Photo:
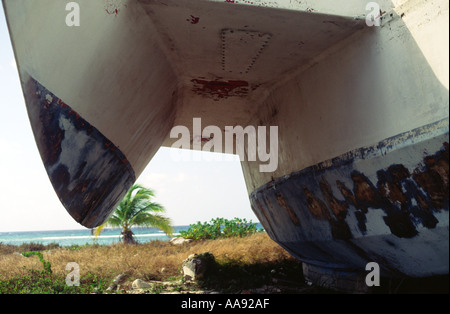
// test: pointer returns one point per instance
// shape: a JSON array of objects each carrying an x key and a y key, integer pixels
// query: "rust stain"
[
  {"x": 408, "y": 198},
  {"x": 315, "y": 205},
  {"x": 434, "y": 178},
  {"x": 112, "y": 12},
  {"x": 338, "y": 208},
  {"x": 397, "y": 219},
  {"x": 394, "y": 193},
  {"x": 397, "y": 191},
  {"x": 346, "y": 193},
  {"x": 220, "y": 89},
  {"x": 351, "y": 200},
  {"x": 391, "y": 188},
  {"x": 365, "y": 193},
  {"x": 338, "y": 226},
  {"x": 113, "y": 7},
  {"x": 193, "y": 19},
  {"x": 282, "y": 202}
]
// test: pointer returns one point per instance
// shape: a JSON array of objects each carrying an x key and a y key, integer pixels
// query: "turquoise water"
[{"x": 81, "y": 237}]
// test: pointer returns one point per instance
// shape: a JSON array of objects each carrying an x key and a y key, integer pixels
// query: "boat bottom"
[
  {"x": 343, "y": 281},
  {"x": 88, "y": 171},
  {"x": 355, "y": 282},
  {"x": 387, "y": 204}
]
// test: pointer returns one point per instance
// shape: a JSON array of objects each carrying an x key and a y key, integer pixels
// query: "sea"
[{"x": 84, "y": 236}]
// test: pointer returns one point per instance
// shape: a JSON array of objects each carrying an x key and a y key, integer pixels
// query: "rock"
[
  {"x": 117, "y": 282},
  {"x": 197, "y": 265},
  {"x": 179, "y": 241},
  {"x": 167, "y": 287},
  {"x": 140, "y": 284}
]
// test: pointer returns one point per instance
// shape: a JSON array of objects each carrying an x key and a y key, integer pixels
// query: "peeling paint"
[
  {"x": 260, "y": 3},
  {"x": 193, "y": 19},
  {"x": 434, "y": 176},
  {"x": 315, "y": 205},
  {"x": 113, "y": 7},
  {"x": 88, "y": 172},
  {"x": 112, "y": 12},
  {"x": 334, "y": 200},
  {"x": 405, "y": 201},
  {"x": 282, "y": 202},
  {"x": 220, "y": 89},
  {"x": 338, "y": 208}
]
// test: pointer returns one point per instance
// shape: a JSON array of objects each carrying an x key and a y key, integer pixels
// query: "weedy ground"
[{"x": 243, "y": 265}]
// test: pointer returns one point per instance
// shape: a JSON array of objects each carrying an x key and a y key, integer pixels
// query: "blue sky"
[{"x": 191, "y": 191}]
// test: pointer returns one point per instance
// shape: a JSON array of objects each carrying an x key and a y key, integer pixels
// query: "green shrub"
[
  {"x": 47, "y": 266},
  {"x": 220, "y": 228},
  {"x": 41, "y": 282}
]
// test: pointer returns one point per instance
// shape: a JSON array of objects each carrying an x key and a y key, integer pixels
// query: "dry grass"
[
  {"x": 155, "y": 260},
  {"x": 243, "y": 263}
]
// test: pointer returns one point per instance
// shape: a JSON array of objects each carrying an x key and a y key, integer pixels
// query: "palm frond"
[
  {"x": 115, "y": 221},
  {"x": 98, "y": 230},
  {"x": 137, "y": 209},
  {"x": 155, "y": 221}
]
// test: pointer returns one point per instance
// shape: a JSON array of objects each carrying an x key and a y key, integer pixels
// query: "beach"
[{"x": 83, "y": 236}]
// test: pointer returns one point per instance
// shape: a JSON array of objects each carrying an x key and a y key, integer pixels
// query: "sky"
[{"x": 190, "y": 191}]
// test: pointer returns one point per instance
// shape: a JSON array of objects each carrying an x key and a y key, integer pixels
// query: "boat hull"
[
  {"x": 361, "y": 112},
  {"x": 387, "y": 203}
]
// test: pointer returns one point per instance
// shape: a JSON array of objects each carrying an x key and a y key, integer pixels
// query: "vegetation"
[
  {"x": 26, "y": 247},
  {"x": 220, "y": 228},
  {"x": 136, "y": 209},
  {"x": 243, "y": 262},
  {"x": 46, "y": 264},
  {"x": 41, "y": 282}
]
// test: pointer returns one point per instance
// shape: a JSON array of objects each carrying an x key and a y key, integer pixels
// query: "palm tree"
[{"x": 136, "y": 209}]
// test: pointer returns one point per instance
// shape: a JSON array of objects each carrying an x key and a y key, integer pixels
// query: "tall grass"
[{"x": 156, "y": 260}]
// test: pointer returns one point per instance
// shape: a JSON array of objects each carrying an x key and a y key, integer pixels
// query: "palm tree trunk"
[{"x": 127, "y": 237}]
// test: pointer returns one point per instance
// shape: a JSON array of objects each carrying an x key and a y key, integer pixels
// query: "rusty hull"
[
  {"x": 88, "y": 172},
  {"x": 387, "y": 203}
]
